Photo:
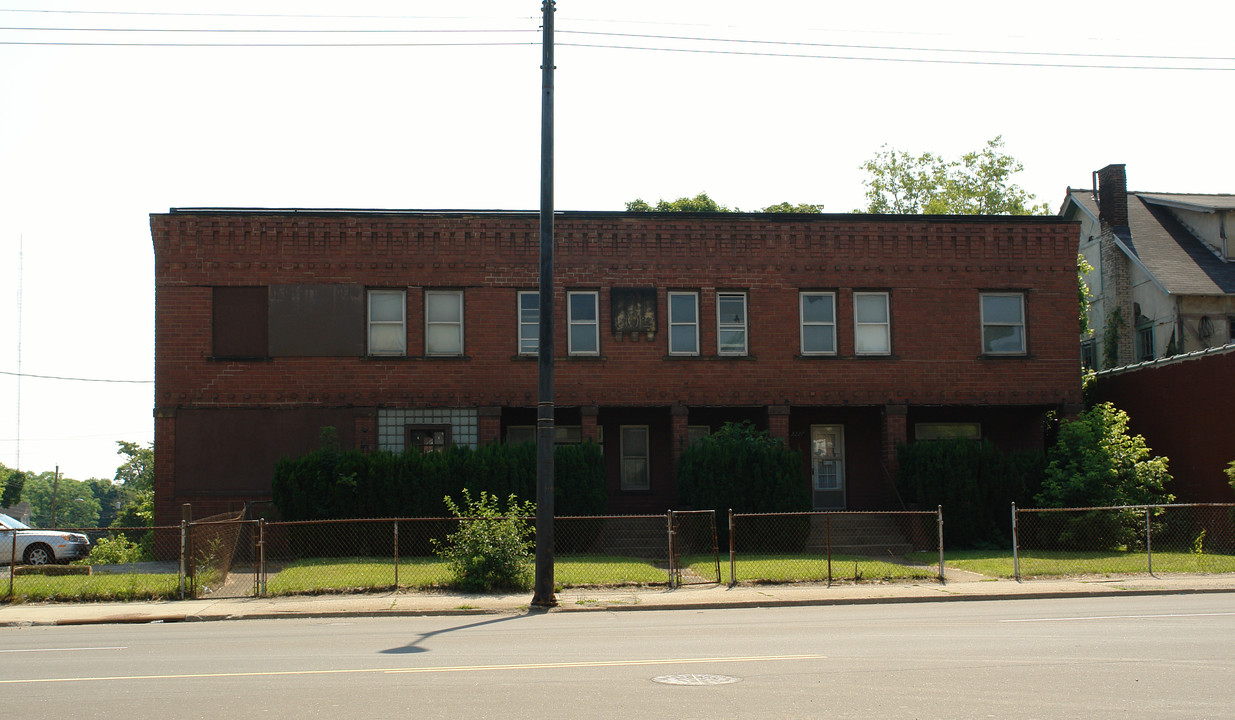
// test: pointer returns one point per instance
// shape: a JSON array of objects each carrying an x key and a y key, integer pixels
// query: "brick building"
[{"x": 844, "y": 334}]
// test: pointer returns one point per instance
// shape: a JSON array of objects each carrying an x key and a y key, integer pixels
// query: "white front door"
[{"x": 827, "y": 464}]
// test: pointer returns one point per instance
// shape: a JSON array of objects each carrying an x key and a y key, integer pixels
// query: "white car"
[{"x": 39, "y": 547}]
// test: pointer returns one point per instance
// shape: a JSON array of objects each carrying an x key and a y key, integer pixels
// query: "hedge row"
[{"x": 330, "y": 483}]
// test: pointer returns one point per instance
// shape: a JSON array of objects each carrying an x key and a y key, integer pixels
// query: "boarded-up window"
[
  {"x": 633, "y": 310},
  {"x": 232, "y": 451},
  {"x": 238, "y": 322},
  {"x": 318, "y": 321}
]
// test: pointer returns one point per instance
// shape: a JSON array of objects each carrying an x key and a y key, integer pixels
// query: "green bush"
[
  {"x": 1095, "y": 462},
  {"x": 492, "y": 548},
  {"x": 975, "y": 482},
  {"x": 746, "y": 470},
  {"x": 117, "y": 550},
  {"x": 330, "y": 483}
]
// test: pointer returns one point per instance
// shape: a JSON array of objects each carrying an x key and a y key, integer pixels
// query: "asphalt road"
[{"x": 1159, "y": 657}]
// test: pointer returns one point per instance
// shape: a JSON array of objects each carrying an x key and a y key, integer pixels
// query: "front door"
[{"x": 827, "y": 464}]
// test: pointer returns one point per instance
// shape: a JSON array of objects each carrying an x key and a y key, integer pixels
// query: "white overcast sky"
[{"x": 94, "y": 138}]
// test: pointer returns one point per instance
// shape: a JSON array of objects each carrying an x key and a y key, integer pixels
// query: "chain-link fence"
[
  {"x": 219, "y": 559},
  {"x": 122, "y": 565},
  {"x": 835, "y": 546},
  {"x": 1183, "y": 538}
]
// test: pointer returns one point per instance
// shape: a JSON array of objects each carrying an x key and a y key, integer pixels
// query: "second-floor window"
[
  {"x": 1003, "y": 323},
  {"x": 872, "y": 328},
  {"x": 529, "y": 323},
  {"x": 387, "y": 326},
  {"x": 683, "y": 323},
  {"x": 583, "y": 322},
  {"x": 444, "y": 322},
  {"x": 818, "y": 314},
  {"x": 731, "y": 324}
]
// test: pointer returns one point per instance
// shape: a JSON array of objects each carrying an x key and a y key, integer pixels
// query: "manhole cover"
[{"x": 694, "y": 679}]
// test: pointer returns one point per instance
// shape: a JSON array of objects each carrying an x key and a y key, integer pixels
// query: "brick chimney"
[{"x": 1113, "y": 196}]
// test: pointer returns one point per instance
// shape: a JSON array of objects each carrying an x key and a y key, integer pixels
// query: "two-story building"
[{"x": 846, "y": 335}]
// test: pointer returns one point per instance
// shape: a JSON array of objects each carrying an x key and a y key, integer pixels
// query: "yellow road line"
[{"x": 437, "y": 669}]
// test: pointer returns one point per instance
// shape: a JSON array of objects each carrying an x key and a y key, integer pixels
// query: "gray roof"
[
  {"x": 1199, "y": 203},
  {"x": 1176, "y": 258}
]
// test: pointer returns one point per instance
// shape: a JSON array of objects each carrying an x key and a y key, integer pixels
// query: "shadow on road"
[{"x": 414, "y": 646}]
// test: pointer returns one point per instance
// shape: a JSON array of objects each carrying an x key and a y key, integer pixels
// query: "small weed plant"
[{"x": 492, "y": 548}]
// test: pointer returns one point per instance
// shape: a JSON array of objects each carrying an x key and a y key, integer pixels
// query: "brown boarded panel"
[
  {"x": 232, "y": 451},
  {"x": 238, "y": 322},
  {"x": 317, "y": 320}
]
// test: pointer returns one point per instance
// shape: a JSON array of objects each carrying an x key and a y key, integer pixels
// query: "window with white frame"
[
  {"x": 387, "y": 322},
  {"x": 818, "y": 314},
  {"x": 872, "y": 328},
  {"x": 683, "y": 323},
  {"x": 443, "y": 322},
  {"x": 529, "y": 323},
  {"x": 635, "y": 457},
  {"x": 696, "y": 433},
  {"x": 1003, "y": 323},
  {"x": 731, "y": 323},
  {"x": 583, "y": 322}
]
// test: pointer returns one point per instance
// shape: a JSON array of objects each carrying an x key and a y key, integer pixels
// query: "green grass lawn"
[
  {"x": 93, "y": 588},
  {"x": 1038, "y": 563},
  {"x": 794, "y": 567},
  {"x": 372, "y": 574},
  {"x": 359, "y": 574}
]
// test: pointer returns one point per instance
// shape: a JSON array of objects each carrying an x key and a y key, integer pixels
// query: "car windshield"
[{"x": 11, "y": 524}]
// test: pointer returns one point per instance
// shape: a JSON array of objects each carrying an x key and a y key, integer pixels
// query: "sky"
[{"x": 437, "y": 106}]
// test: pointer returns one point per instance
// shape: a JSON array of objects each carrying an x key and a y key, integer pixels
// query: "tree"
[
  {"x": 1095, "y": 462},
  {"x": 111, "y": 498},
  {"x": 12, "y": 481},
  {"x": 60, "y": 503},
  {"x": 703, "y": 203},
  {"x": 137, "y": 472},
  {"x": 976, "y": 184}
]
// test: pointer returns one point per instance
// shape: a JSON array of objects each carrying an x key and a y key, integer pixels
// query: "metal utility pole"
[{"x": 543, "y": 590}]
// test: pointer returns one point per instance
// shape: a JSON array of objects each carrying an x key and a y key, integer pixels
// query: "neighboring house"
[
  {"x": 1163, "y": 279},
  {"x": 845, "y": 335}
]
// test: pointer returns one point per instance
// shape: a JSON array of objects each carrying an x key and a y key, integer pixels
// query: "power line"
[
  {"x": 934, "y": 61},
  {"x": 267, "y": 30},
  {"x": 75, "y": 379},
  {"x": 263, "y": 45},
  {"x": 264, "y": 15},
  {"x": 893, "y": 47}
]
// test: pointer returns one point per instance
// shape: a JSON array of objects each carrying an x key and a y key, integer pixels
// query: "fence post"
[
  {"x": 1149, "y": 551},
  {"x": 827, "y": 542},
  {"x": 939, "y": 519},
  {"x": 1016, "y": 558},
  {"x": 396, "y": 554},
  {"x": 186, "y": 516},
  {"x": 672, "y": 575},
  {"x": 261, "y": 555},
  {"x": 13, "y": 565},
  {"x": 733, "y": 565}
]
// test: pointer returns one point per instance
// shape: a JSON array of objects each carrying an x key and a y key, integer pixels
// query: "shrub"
[
  {"x": 976, "y": 483},
  {"x": 1095, "y": 462},
  {"x": 746, "y": 470},
  {"x": 330, "y": 483},
  {"x": 492, "y": 548},
  {"x": 116, "y": 550}
]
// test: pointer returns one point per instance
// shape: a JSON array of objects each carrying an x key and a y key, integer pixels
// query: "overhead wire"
[
  {"x": 76, "y": 379},
  {"x": 863, "y": 48}
]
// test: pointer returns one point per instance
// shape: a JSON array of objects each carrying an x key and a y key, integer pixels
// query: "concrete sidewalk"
[{"x": 960, "y": 586}]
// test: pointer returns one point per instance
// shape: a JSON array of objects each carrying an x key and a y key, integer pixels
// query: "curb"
[{"x": 136, "y": 618}]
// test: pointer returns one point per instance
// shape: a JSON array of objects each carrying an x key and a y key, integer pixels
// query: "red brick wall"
[
  {"x": 1183, "y": 409},
  {"x": 933, "y": 268}
]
